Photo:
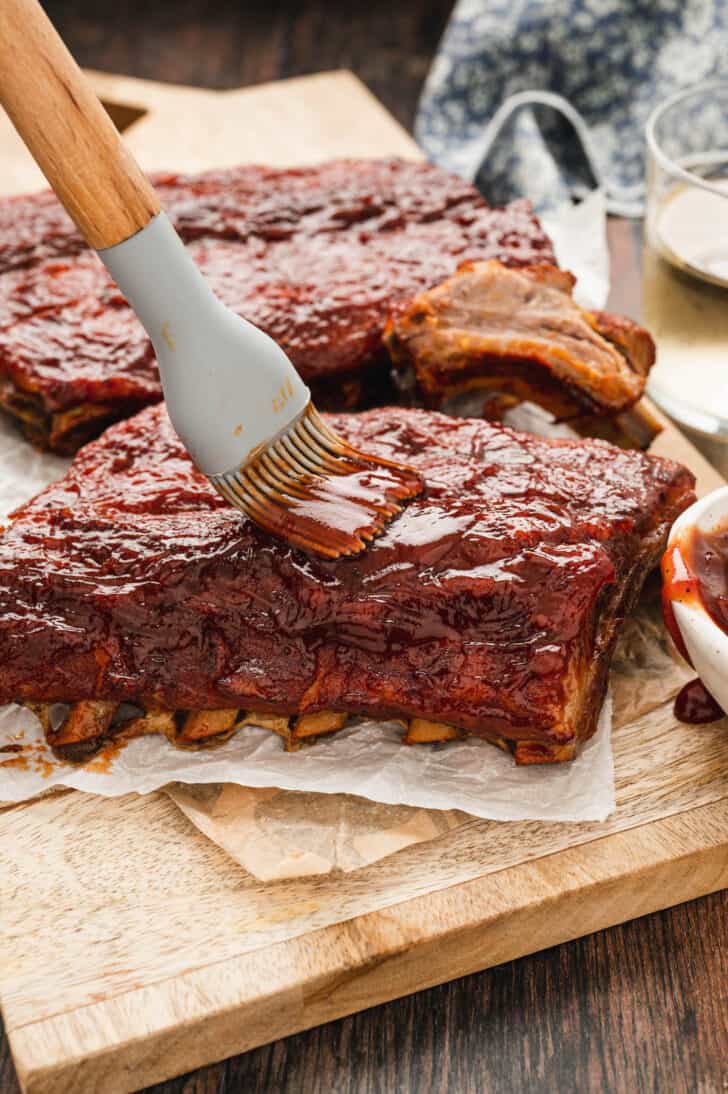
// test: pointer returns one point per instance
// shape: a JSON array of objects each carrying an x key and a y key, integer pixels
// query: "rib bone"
[
  {"x": 87, "y": 723},
  {"x": 201, "y": 724},
  {"x": 422, "y": 731},
  {"x": 315, "y": 725}
]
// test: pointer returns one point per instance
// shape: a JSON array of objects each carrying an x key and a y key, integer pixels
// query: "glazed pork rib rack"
[
  {"x": 491, "y": 606},
  {"x": 317, "y": 257}
]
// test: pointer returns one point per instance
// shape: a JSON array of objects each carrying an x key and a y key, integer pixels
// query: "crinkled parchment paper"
[
  {"x": 277, "y": 834},
  {"x": 365, "y": 758},
  {"x": 359, "y": 795}
]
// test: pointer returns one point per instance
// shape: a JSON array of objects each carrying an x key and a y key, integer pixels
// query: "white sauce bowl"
[{"x": 706, "y": 642}]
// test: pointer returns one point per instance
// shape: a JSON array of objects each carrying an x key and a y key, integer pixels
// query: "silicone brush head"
[
  {"x": 314, "y": 490},
  {"x": 243, "y": 412}
]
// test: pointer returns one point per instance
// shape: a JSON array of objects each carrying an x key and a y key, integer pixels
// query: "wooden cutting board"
[{"x": 134, "y": 949}]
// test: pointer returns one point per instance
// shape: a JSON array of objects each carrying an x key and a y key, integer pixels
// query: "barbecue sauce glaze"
[
  {"x": 131, "y": 580},
  {"x": 317, "y": 257},
  {"x": 695, "y": 571}
]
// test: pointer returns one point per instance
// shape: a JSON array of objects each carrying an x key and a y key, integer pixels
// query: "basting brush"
[{"x": 233, "y": 395}]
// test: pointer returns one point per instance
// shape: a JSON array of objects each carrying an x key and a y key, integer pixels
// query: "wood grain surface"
[
  {"x": 226, "y": 44},
  {"x": 640, "y": 1007},
  {"x": 64, "y": 125}
]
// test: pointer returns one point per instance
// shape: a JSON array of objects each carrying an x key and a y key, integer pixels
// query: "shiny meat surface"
[
  {"x": 491, "y": 604},
  {"x": 317, "y": 257},
  {"x": 519, "y": 331}
]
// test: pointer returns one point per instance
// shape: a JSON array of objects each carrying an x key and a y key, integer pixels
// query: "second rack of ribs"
[{"x": 315, "y": 256}]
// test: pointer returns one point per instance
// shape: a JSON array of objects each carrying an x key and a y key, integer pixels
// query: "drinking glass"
[{"x": 685, "y": 271}]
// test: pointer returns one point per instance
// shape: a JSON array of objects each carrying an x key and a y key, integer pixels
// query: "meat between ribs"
[
  {"x": 519, "y": 332},
  {"x": 492, "y": 604}
]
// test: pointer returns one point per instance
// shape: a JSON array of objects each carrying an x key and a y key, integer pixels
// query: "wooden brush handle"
[{"x": 72, "y": 138}]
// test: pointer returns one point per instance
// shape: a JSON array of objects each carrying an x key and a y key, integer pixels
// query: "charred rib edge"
[{"x": 90, "y": 724}]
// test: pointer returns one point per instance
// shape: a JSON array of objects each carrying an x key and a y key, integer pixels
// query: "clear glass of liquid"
[{"x": 685, "y": 272}]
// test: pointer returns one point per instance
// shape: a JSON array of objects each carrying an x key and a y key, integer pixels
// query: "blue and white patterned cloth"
[{"x": 603, "y": 66}]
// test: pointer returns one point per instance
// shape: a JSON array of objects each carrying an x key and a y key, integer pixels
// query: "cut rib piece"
[
  {"x": 491, "y": 605},
  {"x": 317, "y": 257},
  {"x": 519, "y": 332}
]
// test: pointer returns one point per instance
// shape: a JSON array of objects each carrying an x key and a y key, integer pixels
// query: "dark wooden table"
[{"x": 641, "y": 1007}]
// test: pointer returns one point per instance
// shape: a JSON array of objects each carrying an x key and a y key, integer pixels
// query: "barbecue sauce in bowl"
[{"x": 695, "y": 572}]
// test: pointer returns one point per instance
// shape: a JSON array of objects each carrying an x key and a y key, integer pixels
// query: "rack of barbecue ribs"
[
  {"x": 317, "y": 257},
  {"x": 518, "y": 332},
  {"x": 130, "y": 591}
]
